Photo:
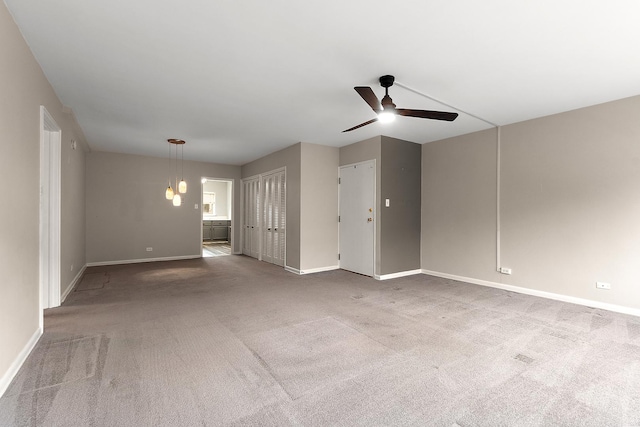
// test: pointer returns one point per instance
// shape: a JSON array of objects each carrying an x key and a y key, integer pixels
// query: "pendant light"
[{"x": 181, "y": 187}]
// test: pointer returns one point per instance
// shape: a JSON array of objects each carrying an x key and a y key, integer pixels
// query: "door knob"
[{"x": 369, "y": 219}]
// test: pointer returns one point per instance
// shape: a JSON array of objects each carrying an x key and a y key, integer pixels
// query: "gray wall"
[
  {"x": 24, "y": 89},
  {"x": 318, "y": 207},
  {"x": 400, "y": 222},
  {"x": 569, "y": 204},
  {"x": 289, "y": 158},
  {"x": 127, "y": 210}
]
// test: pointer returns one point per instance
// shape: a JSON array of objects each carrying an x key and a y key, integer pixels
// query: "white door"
[
  {"x": 251, "y": 217},
  {"x": 273, "y": 218},
  {"x": 357, "y": 217}
]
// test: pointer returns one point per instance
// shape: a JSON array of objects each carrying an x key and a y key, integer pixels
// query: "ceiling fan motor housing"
[{"x": 387, "y": 81}]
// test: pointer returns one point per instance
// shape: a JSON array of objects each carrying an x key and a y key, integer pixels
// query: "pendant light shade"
[{"x": 181, "y": 187}]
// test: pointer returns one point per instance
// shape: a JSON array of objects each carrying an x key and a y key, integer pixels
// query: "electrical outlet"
[
  {"x": 149, "y": 249},
  {"x": 505, "y": 270},
  {"x": 603, "y": 285}
]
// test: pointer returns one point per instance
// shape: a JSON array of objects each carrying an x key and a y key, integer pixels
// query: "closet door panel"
[{"x": 273, "y": 218}]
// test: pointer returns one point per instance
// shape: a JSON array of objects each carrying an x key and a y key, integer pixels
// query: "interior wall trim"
[
  {"x": 292, "y": 270},
  {"x": 536, "y": 293},
  {"x": 73, "y": 284},
  {"x": 319, "y": 269},
  {"x": 397, "y": 275},
  {"x": 137, "y": 261},
  {"x": 311, "y": 270},
  {"x": 8, "y": 376}
]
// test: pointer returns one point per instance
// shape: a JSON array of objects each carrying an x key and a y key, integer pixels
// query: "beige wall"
[
  {"x": 400, "y": 222},
  {"x": 569, "y": 204},
  {"x": 24, "y": 89},
  {"x": 459, "y": 206},
  {"x": 73, "y": 214},
  {"x": 289, "y": 158},
  {"x": 318, "y": 207},
  {"x": 570, "y": 208},
  {"x": 127, "y": 210}
]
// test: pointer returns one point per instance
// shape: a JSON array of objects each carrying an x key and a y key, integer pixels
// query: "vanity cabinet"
[{"x": 215, "y": 230}]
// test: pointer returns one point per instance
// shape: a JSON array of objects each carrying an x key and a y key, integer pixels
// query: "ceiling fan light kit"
[
  {"x": 386, "y": 110},
  {"x": 386, "y": 116}
]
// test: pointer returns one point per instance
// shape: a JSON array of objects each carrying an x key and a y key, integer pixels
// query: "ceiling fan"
[{"x": 387, "y": 110}]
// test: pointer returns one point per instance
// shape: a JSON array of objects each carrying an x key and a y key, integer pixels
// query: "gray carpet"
[{"x": 234, "y": 341}]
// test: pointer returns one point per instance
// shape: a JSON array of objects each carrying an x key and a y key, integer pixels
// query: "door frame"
[
  {"x": 49, "y": 212},
  {"x": 232, "y": 239},
  {"x": 375, "y": 209}
]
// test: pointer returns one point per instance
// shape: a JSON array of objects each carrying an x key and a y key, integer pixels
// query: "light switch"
[
  {"x": 386, "y": 202},
  {"x": 195, "y": 206}
]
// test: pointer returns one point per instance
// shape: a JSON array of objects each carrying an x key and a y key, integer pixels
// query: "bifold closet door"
[
  {"x": 273, "y": 218},
  {"x": 251, "y": 217}
]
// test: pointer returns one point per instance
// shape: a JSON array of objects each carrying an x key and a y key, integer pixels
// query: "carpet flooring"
[{"x": 234, "y": 341}]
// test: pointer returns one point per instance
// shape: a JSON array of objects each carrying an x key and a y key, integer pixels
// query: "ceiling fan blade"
[
  {"x": 369, "y": 97},
  {"x": 426, "y": 114},
  {"x": 360, "y": 125}
]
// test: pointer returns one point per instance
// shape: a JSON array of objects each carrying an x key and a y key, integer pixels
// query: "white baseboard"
[
  {"x": 397, "y": 275},
  {"x": 292, "y": 270},
  {"x": 536, "y": 293},
  {"x": 310, "y": 270},
  {"x": 8, "y": 376},
  {"x": 319, "y": 269},
  {"x": 73, "y": 284},
  {"x": 137, "y": 261}
]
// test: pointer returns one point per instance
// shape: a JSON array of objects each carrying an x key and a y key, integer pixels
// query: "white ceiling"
[{"x": 240, "y": 79}]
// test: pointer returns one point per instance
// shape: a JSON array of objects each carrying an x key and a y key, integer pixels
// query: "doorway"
[
  {"x": 357, "y": 217},
  {"x": 217, "y": 214},
  {"x": 49, "y": 215}
]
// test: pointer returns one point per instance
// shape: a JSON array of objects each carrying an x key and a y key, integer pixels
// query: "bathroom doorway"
[{"x": 217, "y": 214}]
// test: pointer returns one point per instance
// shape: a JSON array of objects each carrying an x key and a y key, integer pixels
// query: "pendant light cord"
[
  {"x": 177, "y": 169},
  {"x": 170, "y": 157}
]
